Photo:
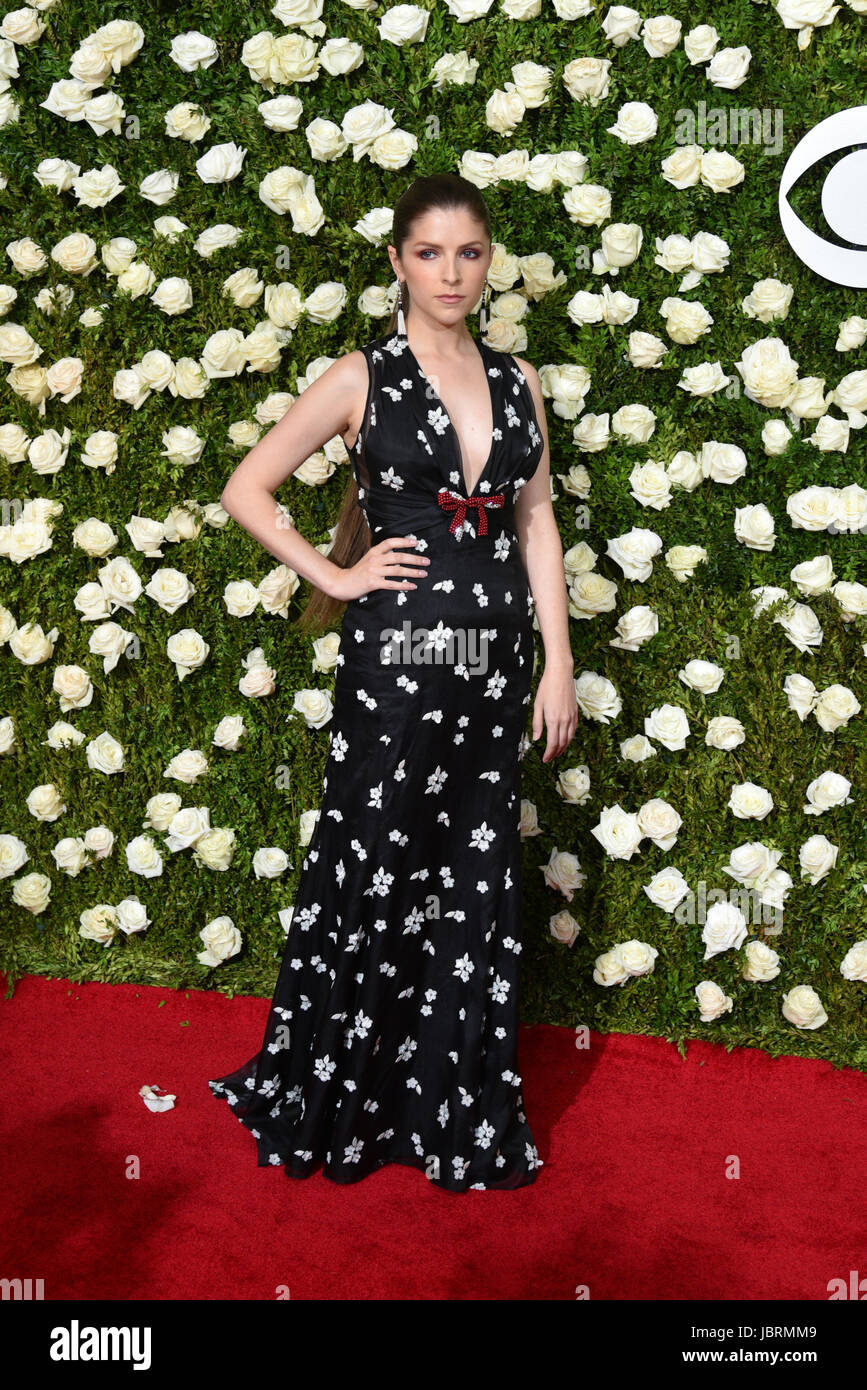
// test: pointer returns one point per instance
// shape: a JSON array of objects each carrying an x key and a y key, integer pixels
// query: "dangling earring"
[
  {"x": 401, "y": 321},
  {"x": 483, "y": 317}
]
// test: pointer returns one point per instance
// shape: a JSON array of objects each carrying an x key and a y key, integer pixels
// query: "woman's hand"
[
  {"x": 384, "y": 566},
  {"x": 555, "y": 703}
]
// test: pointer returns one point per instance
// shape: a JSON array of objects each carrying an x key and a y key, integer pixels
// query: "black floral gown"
[{"x": 392, "y": 1036}]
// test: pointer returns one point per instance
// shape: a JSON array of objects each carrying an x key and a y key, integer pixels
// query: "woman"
[{"x": 392, "y": 1036}]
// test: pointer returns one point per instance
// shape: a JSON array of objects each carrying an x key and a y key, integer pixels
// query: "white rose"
[
  {"x": 105, "y": 754},
  {"x": 685, "y": 320},
  {"x": 73, "y": 685},
  {"x": 45, "y": 802},
  {"x": 636, "y": 626},
  {"x": 13, "y": 853},
  {"x": 132, "y": 916},
  {"x": 404, "y": 24},
  {"x": 830, "y": 435},
  {"x": 187, "y": 827},
  {"x": 768, "y": 299},
  {"x": 802, "y": 1005},
  {"x": 801, "y": 626},
  {"x": 573, "y": 785},
  {"x": 23, "y": 27},
  {"x": 188, "y": 650},
  {"x": 70, "y": 856},
  {"x": 222, "y": 940},
  {"x": 76, "y": 254},
  {"x": 621, "y": 243},
  {"x": 32, "y": 892},
  {"x": 644, "y": 350},
  {"x": 827, "y": 791},
  {"x": 597, "y": 697},
  {"x": 769, "y": 373},
  {"x": 704, "y": 676},
  {"x": 762, "y": 963},
  {"x": 776, "y": 436},
  {"x": 667, "y": 889},
  {"x": 661, "y": 35},
  {"x": 591, "y": 594},
  {"x": 635, "y": 123},
  {"x": 700, "y": 43},
  {"x": 173, "y": 295},
  {"x": 724, "y": 732},
  {"x": 325, "y": 652},
  {"x": 852, "y": 333},
  {"x": 724, "y": 463},
  {"x": 729, "y": 67},
  {"x": 621, "y": 23},
  {"x": 720, "y": 171},
  {"x": 99, "y": 841},
  {"x": 813, "y": 508},
  {"x": 814, "y": 576},
  {"x": 229, "y": 732},
  {"x": 618, "y": 832},
  {"x": 193, "y": 50},
  {"x": 852, "y": 599},
  {"x": 636, "y": 957},
  {"x": 259, "y": 681},
  {"x": 682, "y": 168},
  {"x": 170, "y": 589},
  {"x": 270, "y": 862},
  {"x": 314, "y": 706},
  {"x": 608, "y": 969},
  {"x": 817, "y": 857},
  {"x": 754, "y": 527},
  {"x": 637, "y": 749},
  {"x": 31, "y": 645},
  {"x": 307, "y": 822},
  {"x": 587, "y": 79},
  {"x": 563, "y": 927},
  {"x": 668, "y": 725},
  {"x": 591, "y": 433},
  {"x": 221, "y": 163},
  {"x": 634, "y": 551},
  {"x": 748, "y": 801},
  {"x": 684, "y": 471},
  {"x": 835, "y": 706},
  {"x": 712, "y": 1001},
  {"x": 659, "y": 822},
  {"x": 725, "y": 928},
  {"x": 801, "y": 694},
  {"x": 98, "y": 923},
  {"x": 215, "y": 849},
  {"x": 854, "y": 964},
  {"x": 751, "y": 862},
  {"x": 186, "y": 121},
  {"x": 589, "y": 205},
  {"x": 563, "y": 872},
  {"x": 110, "y": 641},
  {"x": 143, "y": 857},
  {"x": 161, "y": 809}
]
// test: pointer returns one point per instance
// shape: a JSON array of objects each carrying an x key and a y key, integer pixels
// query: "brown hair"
[{"x": 352, "y": 537}]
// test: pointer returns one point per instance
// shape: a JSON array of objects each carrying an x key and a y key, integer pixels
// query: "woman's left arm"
[{"x": 542, "y": 555}]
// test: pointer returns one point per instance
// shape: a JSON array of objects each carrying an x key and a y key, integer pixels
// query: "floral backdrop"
[{"x": 196, "y": 203}]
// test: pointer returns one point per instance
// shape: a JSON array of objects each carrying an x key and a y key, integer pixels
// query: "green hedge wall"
[{"x": 261, "y": 790}]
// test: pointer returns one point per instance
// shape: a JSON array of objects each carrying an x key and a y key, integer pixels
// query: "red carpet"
[{"x": 633, "y": 1199}]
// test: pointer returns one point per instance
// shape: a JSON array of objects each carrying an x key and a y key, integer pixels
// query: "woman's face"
[{"x": 446, "y": 253}]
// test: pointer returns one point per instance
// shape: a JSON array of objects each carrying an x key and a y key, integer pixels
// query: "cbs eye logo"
[{"x": 844, "y": 199}]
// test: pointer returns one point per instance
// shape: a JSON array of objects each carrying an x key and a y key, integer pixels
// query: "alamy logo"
[{"x": 76, "y": 1343}]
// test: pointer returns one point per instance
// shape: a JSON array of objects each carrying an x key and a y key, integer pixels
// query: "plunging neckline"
[{"x": 467, "y": 491}]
